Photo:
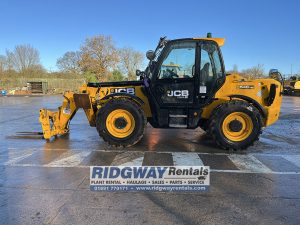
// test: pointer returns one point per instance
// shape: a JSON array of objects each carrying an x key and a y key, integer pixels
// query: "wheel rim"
[
  {"x": 120, "y": 123},
  {"x": 237, "y": 126}
]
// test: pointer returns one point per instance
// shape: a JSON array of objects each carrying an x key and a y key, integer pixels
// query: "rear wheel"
[
  {"x": 235, "y": 125},
  {"x": 121, "y": 122}
]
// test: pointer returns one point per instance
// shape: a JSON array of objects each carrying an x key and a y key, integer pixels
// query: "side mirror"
[
  {"x": 150, "y": 55},
  {"x": 273, "y": 71},
  {"x": 274, "y": 74},
  {"x": 138, "y": 73}
]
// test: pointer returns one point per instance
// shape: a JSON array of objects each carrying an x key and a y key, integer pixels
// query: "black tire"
[
  {"x": 216, "y": 124},
  {"x": 124, "y": 104}
]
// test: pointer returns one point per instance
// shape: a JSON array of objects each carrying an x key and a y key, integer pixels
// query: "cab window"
[
  {"x": 179, "y": 62},
  {"x": 210, "y": 65}
]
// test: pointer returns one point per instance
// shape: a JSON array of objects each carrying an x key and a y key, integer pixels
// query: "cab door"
[
  {"x": 212, "y": 72},
  {"x": 175, "y": 75}
]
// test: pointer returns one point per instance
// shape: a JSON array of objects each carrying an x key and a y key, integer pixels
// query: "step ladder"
[{"x": 177, "y": 121}]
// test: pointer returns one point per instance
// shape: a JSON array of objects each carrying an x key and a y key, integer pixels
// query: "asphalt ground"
[{"x": 48, "y": 182}]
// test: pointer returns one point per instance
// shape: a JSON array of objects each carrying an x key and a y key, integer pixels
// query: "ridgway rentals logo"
[{"x": 149, "y": 178}]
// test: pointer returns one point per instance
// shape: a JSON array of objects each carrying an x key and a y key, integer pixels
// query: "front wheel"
[
  {"x": 235, "y": 125},
  {"x": 121, "y": 122}
]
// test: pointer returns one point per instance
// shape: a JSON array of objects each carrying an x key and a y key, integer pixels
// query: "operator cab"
[{"x": 184, "y": 75}]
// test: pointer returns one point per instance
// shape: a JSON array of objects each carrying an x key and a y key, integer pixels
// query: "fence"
[{"x": 53, "y": 83}]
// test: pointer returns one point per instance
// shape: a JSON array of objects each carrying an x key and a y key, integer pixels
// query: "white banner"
[{"x": 149, "y": 178}]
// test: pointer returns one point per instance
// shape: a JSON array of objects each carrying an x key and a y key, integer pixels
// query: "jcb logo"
[
  {"x": 123, "y": 90},
  {"x": 178, "y": 93}
]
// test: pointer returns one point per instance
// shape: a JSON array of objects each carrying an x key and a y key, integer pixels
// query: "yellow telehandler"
[{"x": 195, "y": 93}]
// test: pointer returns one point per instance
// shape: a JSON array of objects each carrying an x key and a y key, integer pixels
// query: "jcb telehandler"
[{"x": 183, "y": 86}]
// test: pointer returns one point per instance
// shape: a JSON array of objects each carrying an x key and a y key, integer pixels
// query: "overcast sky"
[{"x": 265, "y": 32}]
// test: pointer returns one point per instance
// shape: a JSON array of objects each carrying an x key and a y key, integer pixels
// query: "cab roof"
[
  {"x": 171, "y": 65},
  {"x": 219, "y": 41}
]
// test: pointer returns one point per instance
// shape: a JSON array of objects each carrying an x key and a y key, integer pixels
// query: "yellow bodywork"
[
  {"x": 257, "y": 90},
  {"x": 297, "y": 85},
  {"x": 54, "y": 123},
  {"x": 91, "y": 99},
  {"x": 104, "y": 91},
  {"x": 57, "y": 123}
]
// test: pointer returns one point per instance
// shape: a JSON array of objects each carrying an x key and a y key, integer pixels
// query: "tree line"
[
  {"x": 258, "y": 71},
  {"x": 24, "y": 58},
  {"x": 97, "y": 60},
  {"x": 254, "y": 72}
]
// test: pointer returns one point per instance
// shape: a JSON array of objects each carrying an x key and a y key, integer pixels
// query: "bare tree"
[
  {"x": 69, "y": 62},
  {"x": 234, "y": 69},
  {"x": 99, "y": 56},
  {"x": 23, "y": 57},
  {"x": 2, "y": 63},
  {"x": 254, "y": 72},
  {"x": 130, "y": 61},
  {"x": 9, "y": 60}
]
